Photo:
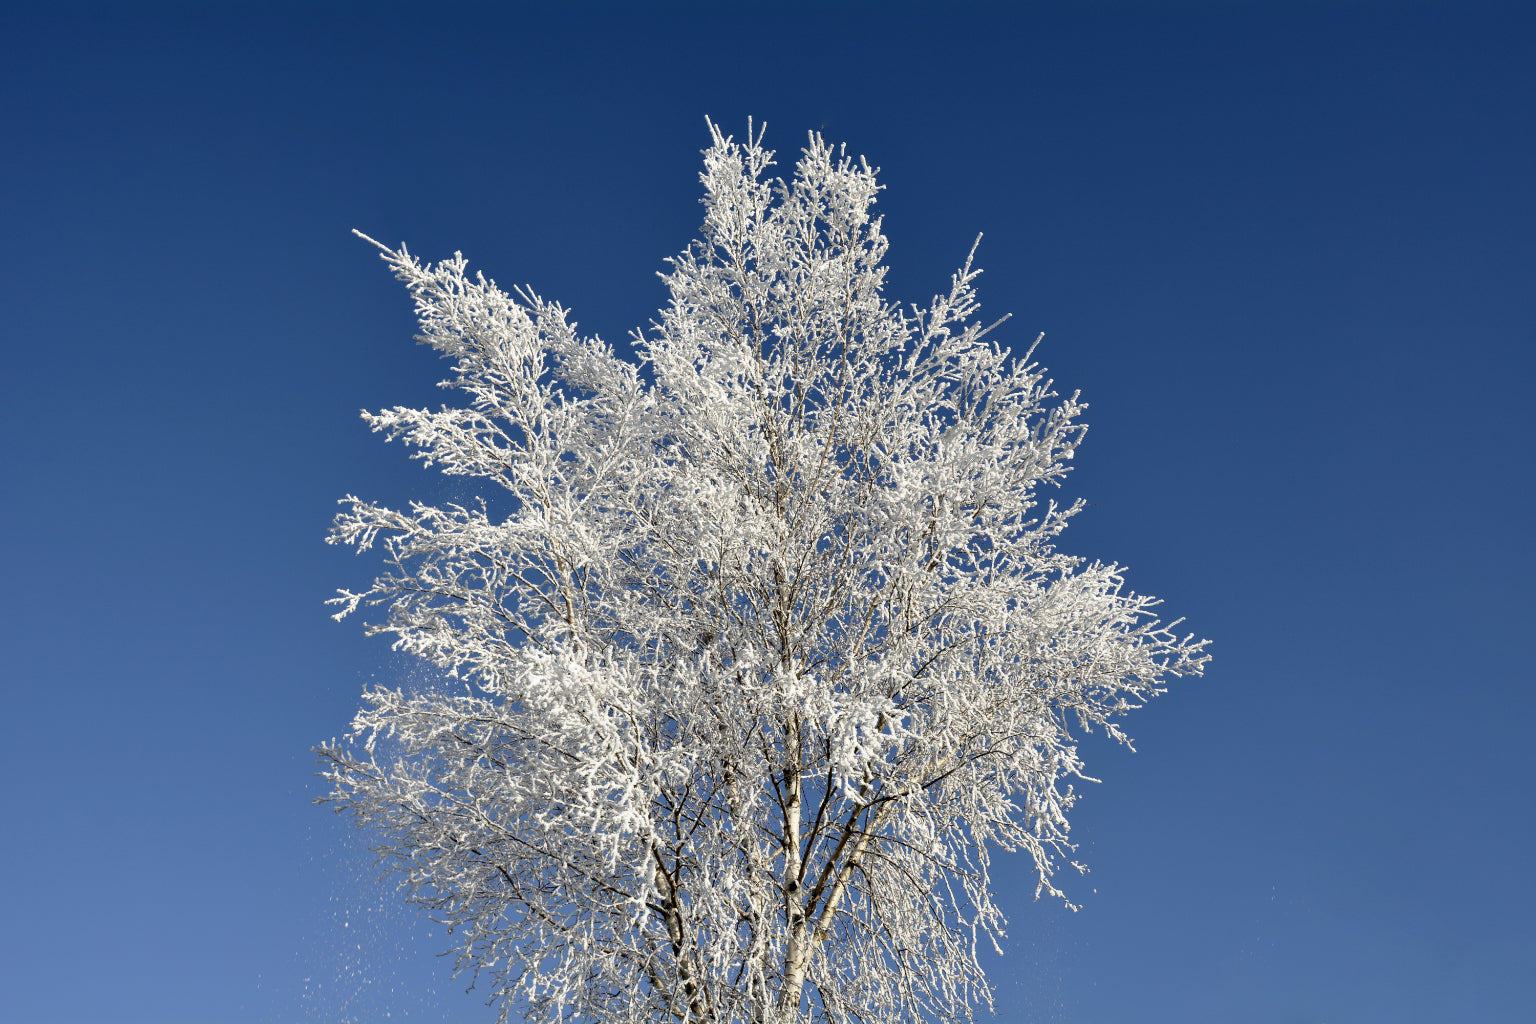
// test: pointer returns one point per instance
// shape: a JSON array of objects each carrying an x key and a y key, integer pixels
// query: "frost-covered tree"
[{"x": 763, "y": 643}]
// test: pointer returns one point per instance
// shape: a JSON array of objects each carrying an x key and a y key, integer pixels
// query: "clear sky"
[{"x": 1286, "y": 252}]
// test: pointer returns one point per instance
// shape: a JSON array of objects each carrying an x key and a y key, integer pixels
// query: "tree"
[{"x": 763, "y": 644}]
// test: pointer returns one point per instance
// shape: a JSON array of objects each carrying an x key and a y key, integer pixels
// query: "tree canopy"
[{"x": 763, "y": 642}]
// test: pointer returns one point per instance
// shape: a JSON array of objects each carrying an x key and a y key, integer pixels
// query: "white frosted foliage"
[{"x": 763, "y": 643}]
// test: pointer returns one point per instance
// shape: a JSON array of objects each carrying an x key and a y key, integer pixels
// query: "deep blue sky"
[{"x": 1286, "y": 251}]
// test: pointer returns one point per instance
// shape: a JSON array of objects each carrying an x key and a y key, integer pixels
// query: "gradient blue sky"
[{"x": 1286, "y": 251}]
